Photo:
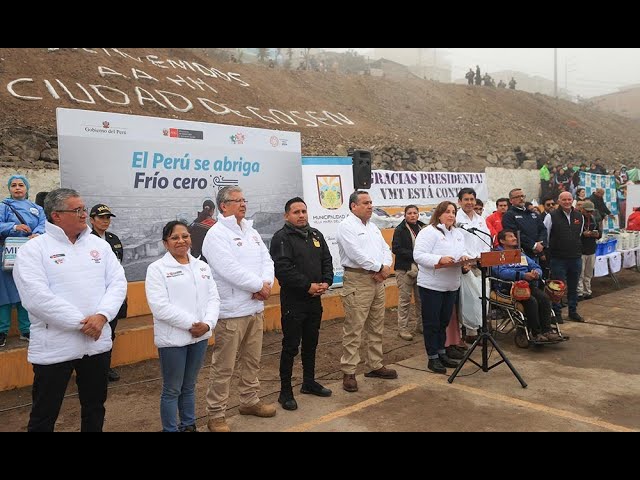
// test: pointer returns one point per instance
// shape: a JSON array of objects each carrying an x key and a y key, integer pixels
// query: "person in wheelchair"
[{"x": 537, "y": 309}]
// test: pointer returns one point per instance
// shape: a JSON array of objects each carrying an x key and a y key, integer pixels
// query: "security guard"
[
  {"x": 100, "y": 217},
  {"x": 304, "y": 268}
]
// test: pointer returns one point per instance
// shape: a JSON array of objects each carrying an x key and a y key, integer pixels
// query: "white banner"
[
  {"x": 327, "y": 184},
  {"x": 150, "y": 171},
  {"x": 399, "y": 189}
]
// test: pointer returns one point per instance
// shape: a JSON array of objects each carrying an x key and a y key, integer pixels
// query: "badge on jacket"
[{"x": 316, "y": 243}]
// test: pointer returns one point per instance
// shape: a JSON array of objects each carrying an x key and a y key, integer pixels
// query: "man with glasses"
[
  {"x": 244, "y": 273},
  {"x": 549, "y": 206},
  {"x": 529, "y": 226},
  {"x": 72, "y": 285},
  {"x": 100, "y": 218}
]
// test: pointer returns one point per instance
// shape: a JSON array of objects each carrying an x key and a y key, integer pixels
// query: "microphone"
[{"x": 462, "y": 226}]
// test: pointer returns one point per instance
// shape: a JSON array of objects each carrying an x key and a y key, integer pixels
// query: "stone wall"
[
  {"x": 40, "y": 180},
  {"x": 502, "y": 180}
]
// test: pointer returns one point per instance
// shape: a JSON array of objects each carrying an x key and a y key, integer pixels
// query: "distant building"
[
  {"x": 626, "y": 102},
  {"x": 422, "y": 62},
  {"x": 389, "y": 69}
]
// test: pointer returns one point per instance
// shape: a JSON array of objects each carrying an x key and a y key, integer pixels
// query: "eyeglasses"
[
  {"x": 78, "y": 211},
  {"x": 239, "y": 200},
  {"x": 549, "y": 204},
  {"x": 519, "y": 196}
]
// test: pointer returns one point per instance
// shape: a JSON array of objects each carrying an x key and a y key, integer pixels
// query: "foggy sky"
[{"x": 587, "y": 72}]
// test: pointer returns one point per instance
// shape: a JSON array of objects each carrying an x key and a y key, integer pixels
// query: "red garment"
[
  {"x": 634, "y": 221},
  {"x": 208, "y": 222},
  {"x": 494, "y": 222}
]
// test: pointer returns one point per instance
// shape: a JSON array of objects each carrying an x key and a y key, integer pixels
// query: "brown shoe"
[
  {"x": 260, "y": 409},
  {"x": 384, "y": 372},
  {"x": 349, "y": 383},
  {"x": 218, "y": 425},
  {"x": 405, "y": 335}
]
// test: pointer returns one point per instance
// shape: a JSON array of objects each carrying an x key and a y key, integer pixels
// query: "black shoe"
[
  {"x": 454, "y": 353},
  {"x": 287, "y": 401},
  {"x": 447, "y": 362},
  {"x": 435, "y": 365},
  {"x": 587, "y": 297},
  {"x": 3, "y": 339},
  {"x": 113, "y": 376},
  {"x": 190, "y": 429},
  {"x": 576, "y": 317},
  {"x": 315, "y": 389},
  {"x": 557, "y": 319}
]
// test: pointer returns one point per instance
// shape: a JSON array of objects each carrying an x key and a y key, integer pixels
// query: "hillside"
[{"x": 410, "y": 123}]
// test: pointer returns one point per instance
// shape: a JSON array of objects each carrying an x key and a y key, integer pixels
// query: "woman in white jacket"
[
  {"x": 185, "y": 304},
  {"x": 441, "y": 243}
]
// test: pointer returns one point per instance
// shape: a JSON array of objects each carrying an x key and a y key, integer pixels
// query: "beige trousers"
[
  {"x": 364, "y": 306},
  {"x": 406, "y": 287},
  {"x": 588, "y": 267},
  {"x": 241, "y": 337}
]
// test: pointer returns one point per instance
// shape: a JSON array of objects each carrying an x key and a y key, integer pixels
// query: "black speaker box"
[{"x": 362, "y": 170}]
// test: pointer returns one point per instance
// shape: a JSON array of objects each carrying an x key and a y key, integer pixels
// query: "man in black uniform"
[
  {"x": 100, "y": 217},
  {"x": 304, "y": 268}
]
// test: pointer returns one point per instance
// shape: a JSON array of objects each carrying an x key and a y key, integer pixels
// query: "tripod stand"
[{"x": 488, "y": 260}]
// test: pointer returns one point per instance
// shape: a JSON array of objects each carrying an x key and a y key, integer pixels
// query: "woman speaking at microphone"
[{"x": 440, "y": 244}]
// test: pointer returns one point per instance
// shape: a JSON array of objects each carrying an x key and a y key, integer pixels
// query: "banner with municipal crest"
[
  {"x": 327, "y": 183},
  {"x": 150, "y": 171},
  {"x": 591, "y": 182}
]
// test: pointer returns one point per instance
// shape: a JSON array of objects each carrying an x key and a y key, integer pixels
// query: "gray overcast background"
[{"x": 589, "y": 71}]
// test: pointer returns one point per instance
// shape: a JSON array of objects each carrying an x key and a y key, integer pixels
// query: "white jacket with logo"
[
  {"x": 433, "y": 244},
  {"x": 240, "y": 263},
  {"x": 62, "y": 283},
  {"x": 179, "y": 296}
]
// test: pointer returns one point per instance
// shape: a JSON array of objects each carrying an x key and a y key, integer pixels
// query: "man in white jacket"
[
  {"x": 475, "y": 245},
  {"x": 244, "y": 273},
  {"x": 72, "y": 285}
]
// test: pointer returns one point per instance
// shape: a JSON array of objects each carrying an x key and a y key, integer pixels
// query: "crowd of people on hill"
[{"x": 476, "y": 78}]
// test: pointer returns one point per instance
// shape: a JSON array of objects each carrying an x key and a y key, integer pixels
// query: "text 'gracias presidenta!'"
[{"x": 158, "y": 161}]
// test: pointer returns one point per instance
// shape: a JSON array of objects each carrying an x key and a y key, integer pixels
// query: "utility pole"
[{"x": 555, "y": 72}]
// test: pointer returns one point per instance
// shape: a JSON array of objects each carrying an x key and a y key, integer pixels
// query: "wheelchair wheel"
[{"x": 521, "y": 339}]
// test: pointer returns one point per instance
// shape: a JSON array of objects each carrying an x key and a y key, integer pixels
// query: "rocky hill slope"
[{"x": 407, "y": 124}]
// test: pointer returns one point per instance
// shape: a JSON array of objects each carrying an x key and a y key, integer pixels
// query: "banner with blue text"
[{"x": 150, "y": 171}]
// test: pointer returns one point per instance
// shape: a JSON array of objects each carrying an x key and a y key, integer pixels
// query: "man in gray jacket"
[{"x": 72, "y": 285}]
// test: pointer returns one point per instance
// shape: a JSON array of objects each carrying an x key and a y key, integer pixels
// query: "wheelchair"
[{"x": 513, "y": 317}]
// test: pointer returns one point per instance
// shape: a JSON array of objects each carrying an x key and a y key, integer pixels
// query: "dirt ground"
[{"x": 133, "y": 403}]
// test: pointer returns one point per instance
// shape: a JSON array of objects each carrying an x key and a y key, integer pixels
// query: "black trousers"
[
  {"x": 50, "y": 384},
  {"x": 300, "y": 324},
  {"x": 538, "y": 312}
]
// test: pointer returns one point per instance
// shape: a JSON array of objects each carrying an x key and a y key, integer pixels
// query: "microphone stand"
[
  {"x": 485, "y": 336},
  {"x": 475, "y": 231}
]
